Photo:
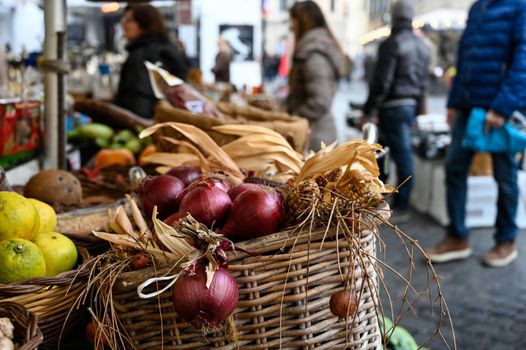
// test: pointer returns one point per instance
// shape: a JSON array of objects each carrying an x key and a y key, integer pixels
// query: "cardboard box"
[{"x": 19, "y": 126}]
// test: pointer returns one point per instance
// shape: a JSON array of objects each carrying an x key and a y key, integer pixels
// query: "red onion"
[
  {"x": 186, "y": 174},
  {"x": 254, "y": 213},
  {"x": 161, "y": 191},
  {"x": 207, "y": 204},
  {"x": 236, "y": 191},
  {"x": 201, "y": 306},
  {"x": 203, "y": 180},
  {"x": 216, "y": 180},
  {"x": 172, "y": 218}
]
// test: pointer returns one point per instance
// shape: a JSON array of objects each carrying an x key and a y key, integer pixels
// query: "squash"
[
  {"x": 118, "y": 156},
  {"x": 151, "y": 149}
]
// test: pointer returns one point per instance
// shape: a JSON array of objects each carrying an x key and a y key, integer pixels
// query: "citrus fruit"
[
  {"x": 20, "y": 259},
  {"x": 18, "y": 217},
  {"x": 46, "y": 214},
  {"x": 59, "y": 252}
]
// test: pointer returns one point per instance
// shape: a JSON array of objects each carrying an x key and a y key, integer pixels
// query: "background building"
[{"x": 348, "y": 19}]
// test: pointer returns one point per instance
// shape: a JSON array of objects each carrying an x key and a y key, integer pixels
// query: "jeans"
[
  {"x": 394, "y": 127},
  {"x": 505, "y": 172}
]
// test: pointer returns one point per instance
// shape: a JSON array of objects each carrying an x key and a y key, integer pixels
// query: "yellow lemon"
[
  {"x": 20, "y": 259},
  {"x": 60, "y": 253},
  {"x": 46, "y": 214},
  {"x": 18, "y": 217}
]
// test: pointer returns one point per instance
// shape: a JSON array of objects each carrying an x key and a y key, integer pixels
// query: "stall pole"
[{"x": 55, "y": 70}]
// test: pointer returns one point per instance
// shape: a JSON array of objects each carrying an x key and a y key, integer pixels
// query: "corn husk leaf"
[
  {"x": 251, "y": 162},
  {"x": 123, "y": 222},
  {"x": 172, "y": 159},
  {"x": 163, "y": 169},
  {"x": 247, "y": 147},
  {"x": 140, "y": 222},
  {"x": 170, "y": 238},
  {"x": 345, "y": 154},
  {"x": 203, "y": 162},
  {"x": 204, "y": 142},
  {"x": 242, "y": 130},
  {"x": 129, "y": 242}
]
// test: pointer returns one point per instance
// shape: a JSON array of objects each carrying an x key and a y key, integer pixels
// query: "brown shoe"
[
  {"x": 501, "y": 254},
  {"x": 450, "y": 248}
]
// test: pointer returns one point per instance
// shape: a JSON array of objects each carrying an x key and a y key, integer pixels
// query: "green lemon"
[
  {"x": 18, "y": 217},
  {"x": 20, "y": 259},
  {"x": 60, "y": 253},
  {"x": 46, "y": 214}
]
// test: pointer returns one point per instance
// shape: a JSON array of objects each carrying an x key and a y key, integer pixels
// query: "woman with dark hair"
[
  {"x": 148, "y": 40},
  {"x": 317, "y": 65}
]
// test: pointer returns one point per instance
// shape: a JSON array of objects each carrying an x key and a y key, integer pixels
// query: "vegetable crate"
[{"x": 285, "y": 282}]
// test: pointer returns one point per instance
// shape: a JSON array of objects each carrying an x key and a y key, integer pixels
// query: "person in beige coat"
[{"x": 317, "y": 65}]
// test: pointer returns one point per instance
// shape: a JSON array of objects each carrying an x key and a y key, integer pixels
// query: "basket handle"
[{"x": 150, "y": 281}]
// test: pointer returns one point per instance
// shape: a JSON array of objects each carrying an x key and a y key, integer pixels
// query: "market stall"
[{"x": 208, "y": 226}]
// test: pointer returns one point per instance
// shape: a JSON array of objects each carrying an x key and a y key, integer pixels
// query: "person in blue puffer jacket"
[{"x": 491, "y": 75}]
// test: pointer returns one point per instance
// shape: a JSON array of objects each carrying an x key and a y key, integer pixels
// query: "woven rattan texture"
[
  {"x": 284, "y": 297},
  {"x": 27, "y": 334},
  {"x": 51, "y": 298}
]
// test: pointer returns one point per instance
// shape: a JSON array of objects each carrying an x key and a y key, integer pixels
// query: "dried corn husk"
[
  {"x": 346, "y": 154},
  {"x": 259, "y": 149},
  {"x": 172, "y": 159},
  {"x": 204, "y": 143},
  {"x": 177, "y": 245}
]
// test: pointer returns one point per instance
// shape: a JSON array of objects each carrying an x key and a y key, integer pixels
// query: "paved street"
[{"x": 488, "y": 306}]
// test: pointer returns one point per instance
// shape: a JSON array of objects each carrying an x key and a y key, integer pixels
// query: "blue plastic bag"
[{"x": 506, "y": 139}]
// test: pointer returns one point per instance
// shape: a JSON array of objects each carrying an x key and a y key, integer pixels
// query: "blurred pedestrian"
[
  {"x": 221, "y": 68},
  {"x": 317, "y": 65},
  {"x": 148, "y": 40},
  {"x": 491, "y": 74},
  {"x": 270, "y": 66},
  {"x": 398, "y": 92}
]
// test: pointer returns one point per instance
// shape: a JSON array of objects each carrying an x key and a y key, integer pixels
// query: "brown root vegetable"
[
  {"x": 343, "y": 304},
  {"x": 54, "y": 186}
]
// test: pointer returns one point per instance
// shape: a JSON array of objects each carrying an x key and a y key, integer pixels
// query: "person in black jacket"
[
  {"x": 148, "y": 40},
  {"x": 398, "y": 92}
]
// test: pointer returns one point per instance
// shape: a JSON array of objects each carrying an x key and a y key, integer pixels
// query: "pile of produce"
[
  {"x": 189, "y": 217},
  {"x": 29, "y": 247},
  {"x": 117, "y": 148},
  {"x": 202, "y": 205}
]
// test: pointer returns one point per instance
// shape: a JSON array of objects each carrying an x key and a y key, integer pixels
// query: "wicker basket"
[
  {"x": 284, "y": 297},
  {"x": 294, "y": 129},
  {"x": 27, "y": 334},
  {"x": 52, "y": 299}
]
